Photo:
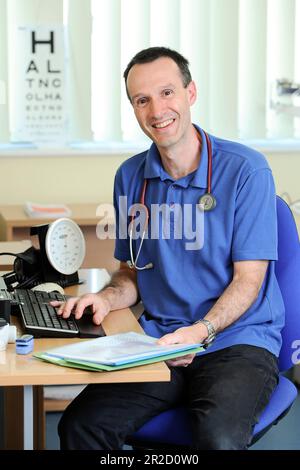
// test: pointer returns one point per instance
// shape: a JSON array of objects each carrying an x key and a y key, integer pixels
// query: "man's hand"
[
  {"x": 99, "y": 305},
  {"x": 120, "y": 293},
  {"x": 186, "y": 335}
]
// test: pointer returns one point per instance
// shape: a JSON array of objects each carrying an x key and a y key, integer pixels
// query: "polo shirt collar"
[
  {"x": 154, "y": 168},
  {"x": 153, "y": 165}
]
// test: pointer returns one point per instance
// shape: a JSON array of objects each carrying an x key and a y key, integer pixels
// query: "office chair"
[{"x": 171, "y": 428}]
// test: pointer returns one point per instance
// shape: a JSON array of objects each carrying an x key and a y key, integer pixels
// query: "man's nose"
[{"x": 157, "y": 108}]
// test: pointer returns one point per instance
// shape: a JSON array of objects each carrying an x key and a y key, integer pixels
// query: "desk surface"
[
  {"x": 15, "y": 216},
  {"x": 26, "y": 370}
]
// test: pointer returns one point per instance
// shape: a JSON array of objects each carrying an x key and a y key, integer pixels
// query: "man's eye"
[
  {"x": 141, "y": 101},
  {"x": 168, "y": 92}
]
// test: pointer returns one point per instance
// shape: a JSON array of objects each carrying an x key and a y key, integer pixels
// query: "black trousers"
[{"x": 225, "y": 391}]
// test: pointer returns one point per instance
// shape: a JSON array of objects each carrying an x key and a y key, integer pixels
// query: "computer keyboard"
[{"x": 39, "y": 317}]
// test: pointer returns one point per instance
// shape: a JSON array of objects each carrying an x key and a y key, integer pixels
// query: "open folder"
[{"x": 116, "y": 352}]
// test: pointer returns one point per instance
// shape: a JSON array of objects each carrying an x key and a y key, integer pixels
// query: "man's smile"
[{"x": 163, "y": 124}]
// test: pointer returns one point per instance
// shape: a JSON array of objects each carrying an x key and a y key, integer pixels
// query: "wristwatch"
[{"x": 211, "y": 332}]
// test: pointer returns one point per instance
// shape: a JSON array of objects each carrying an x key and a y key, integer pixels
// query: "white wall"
[{"x": 89, "y": 178}]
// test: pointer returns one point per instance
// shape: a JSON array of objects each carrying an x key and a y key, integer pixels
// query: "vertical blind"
[{"x": 237, "y": 50}]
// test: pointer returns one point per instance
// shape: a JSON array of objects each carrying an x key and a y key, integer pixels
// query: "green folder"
[{"x": 95, "y": 367}]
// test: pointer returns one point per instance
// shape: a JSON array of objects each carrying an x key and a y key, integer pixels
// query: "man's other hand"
[
  {"x": 185, "y": 335},
  {"x": 100, "y": 307}
]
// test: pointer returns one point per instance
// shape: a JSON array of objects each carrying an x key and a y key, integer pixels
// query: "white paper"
[
  {"x": 117, "y": 349},
  {"x": 47, "y": 211}
]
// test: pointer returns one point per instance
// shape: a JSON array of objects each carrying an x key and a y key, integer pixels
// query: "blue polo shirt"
[{"x": 185, "y": 283}]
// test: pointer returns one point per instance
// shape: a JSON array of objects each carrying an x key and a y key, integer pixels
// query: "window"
[{"x": 237, "y": 50}]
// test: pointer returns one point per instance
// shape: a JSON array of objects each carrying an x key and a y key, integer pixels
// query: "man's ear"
[{"x": 192, "y": 92}]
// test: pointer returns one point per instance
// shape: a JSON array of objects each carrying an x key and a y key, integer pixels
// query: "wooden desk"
[
  {"x": 20, "y": 373},
  {"x": 15, "y": 225}
]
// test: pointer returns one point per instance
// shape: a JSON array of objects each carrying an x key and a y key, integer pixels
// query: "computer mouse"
[{"x": 49, "y": 287}]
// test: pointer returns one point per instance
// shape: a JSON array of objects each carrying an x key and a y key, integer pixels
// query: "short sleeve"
[
  {"x": 122, "y": 251},
  {"x": 255, "y": 221}
]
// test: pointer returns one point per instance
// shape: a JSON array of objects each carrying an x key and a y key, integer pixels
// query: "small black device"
[
  {"x": 3, "y": 322},
  {"x": 5, "y": 309},
  {"x": 59, "y": 256}
]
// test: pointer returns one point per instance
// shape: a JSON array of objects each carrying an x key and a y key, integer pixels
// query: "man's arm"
[
  {"x": 240, "y": 294},
  {"x": 121, "y": 292}
]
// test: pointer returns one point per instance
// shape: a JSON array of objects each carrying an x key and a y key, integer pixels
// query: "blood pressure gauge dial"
[{"x": 65, "y": 246}]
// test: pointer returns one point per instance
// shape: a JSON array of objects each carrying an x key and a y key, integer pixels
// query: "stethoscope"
[{"x": 207, "y": 202}]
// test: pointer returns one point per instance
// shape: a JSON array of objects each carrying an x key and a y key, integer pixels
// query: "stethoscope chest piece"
[{"x": 207, "y": 202}]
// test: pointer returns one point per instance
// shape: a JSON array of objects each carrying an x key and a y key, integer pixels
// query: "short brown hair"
[{"x": 154, "y": 53}]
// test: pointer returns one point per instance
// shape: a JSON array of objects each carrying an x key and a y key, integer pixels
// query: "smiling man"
[
  {"x": 162, "y": 109},
  {"x": 223, "y": 293}
]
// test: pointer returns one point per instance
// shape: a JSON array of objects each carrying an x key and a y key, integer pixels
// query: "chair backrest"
[{"x": 287, "y": 270}]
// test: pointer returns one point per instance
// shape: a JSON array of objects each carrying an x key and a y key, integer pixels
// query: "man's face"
[{"x": 160, "y": 101}]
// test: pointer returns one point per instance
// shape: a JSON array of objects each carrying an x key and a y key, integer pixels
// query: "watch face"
[{"x": 65, "y": 246}]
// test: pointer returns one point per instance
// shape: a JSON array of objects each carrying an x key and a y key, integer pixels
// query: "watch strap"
[{"x": 210, "y": 330}]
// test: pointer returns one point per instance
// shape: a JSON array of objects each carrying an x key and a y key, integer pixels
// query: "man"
[{"x": 228, "y": 280}]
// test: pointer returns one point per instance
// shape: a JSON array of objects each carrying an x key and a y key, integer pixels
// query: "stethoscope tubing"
[{"x": 133, "y": 262}]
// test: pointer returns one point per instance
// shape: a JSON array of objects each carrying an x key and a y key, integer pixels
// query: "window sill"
[
  {"x": 127, "y": 148},
  {"x": 73, "y": 150},
  {"x": 273, "y": 145}
]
